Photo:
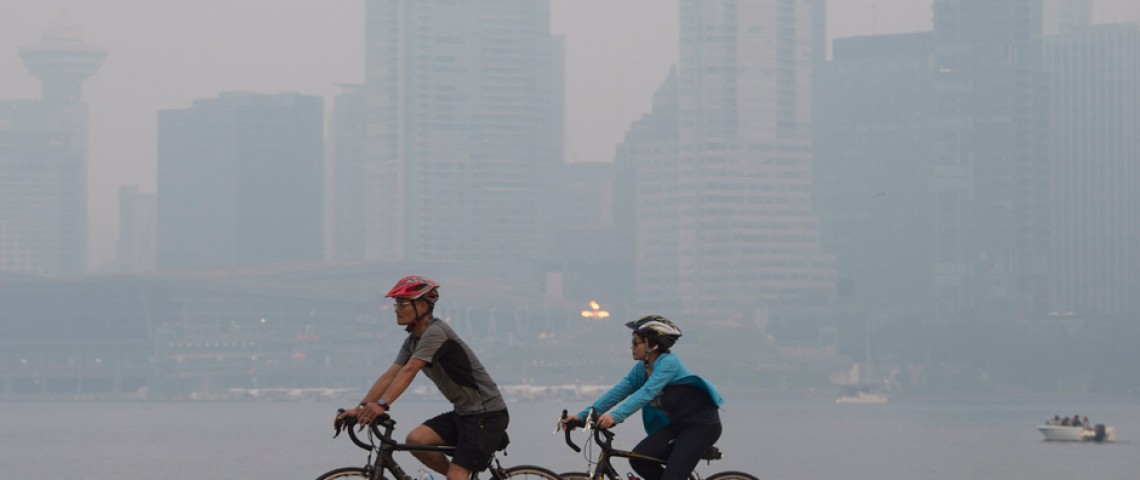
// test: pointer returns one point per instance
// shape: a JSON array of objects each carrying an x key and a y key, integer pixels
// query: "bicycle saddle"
[
  {"x": 503, "y": 442},
  {"x": 712, "y": 453}
]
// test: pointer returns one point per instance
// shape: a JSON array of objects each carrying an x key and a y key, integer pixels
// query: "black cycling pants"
[{"x": 683, "y": 445}]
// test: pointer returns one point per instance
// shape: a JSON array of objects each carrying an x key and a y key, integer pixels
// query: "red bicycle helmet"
[{"x": 415, "y": 288}]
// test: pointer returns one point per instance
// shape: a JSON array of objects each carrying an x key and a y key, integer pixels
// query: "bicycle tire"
[
  {"x": 574, "y": 476},
  {"x": 345, "y": 473},
  {"x": 731, "y": 475},
  {"x": 529, "y": 472}
]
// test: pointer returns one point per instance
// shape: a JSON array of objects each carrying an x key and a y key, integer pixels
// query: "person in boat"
[
  {"x": 1065, "y": 422},
  {"x": 1056, "y": 420},
  {"x": 1085, "y": 422},
  {"x": 679, "y": 410}
]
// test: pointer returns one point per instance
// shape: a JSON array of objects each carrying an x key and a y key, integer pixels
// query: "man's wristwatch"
[{"x": 383, "y": 404}]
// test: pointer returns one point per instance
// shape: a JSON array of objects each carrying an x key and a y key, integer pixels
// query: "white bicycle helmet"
[{"x": 660, "y": 329}]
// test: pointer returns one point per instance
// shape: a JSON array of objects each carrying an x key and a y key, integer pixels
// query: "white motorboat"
[{"x": 1064, "y": 433}]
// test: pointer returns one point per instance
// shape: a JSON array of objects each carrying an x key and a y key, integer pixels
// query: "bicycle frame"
[
  {"x": 387, "y": 446},
  {"x": 385, "y": 460},
  {"x": 606, "y": 470},
  {"x": 374, "y": 469},
  {"x": 604, "y": 438}
]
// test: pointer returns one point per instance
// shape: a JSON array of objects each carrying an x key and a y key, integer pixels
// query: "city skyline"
[
  {"x": 455, "y": 131},
  {"x": 616, "y": 55}
]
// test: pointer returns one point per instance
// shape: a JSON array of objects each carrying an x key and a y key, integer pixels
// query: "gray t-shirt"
[{"x": 454, "y": 368}]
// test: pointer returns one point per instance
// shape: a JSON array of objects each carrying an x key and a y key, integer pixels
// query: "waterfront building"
[
  {"x": 463, "y": 137},
  {"x": 1095, "y": 153},
  {"x": 722, "y": 166},
  {"x": 346, "y": 195},
  {"x": 594, "y": 237},
  {"x": 991, "y": 166},
  {"x": 1064, "y": 16},
  {"x": 240, "y": 181},
  {"x": 134, "y": 251},
  {"x": 232, "y": 333},
  {"x": 874, "y": 169}
]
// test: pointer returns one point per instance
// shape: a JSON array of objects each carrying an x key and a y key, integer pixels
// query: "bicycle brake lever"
[
  {"x": 338, "y": 424},
  {"x": 558, "y": 426}
]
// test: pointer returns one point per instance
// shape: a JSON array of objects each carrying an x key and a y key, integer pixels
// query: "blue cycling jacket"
[{"x": 667, "y": 370}]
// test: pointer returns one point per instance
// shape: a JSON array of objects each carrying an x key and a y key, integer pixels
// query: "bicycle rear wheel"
[
  {"x": 347, "y": 473},
  {"x": 583, "y": 476},
  {"x": 529, "y": 472},
  {"x": 731, "y": 475}
]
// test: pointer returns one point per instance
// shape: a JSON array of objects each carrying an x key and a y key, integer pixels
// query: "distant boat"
[
  {"x": 863, "y": 393},
  {"x": 1064, "y": 433},
  {"x": 861, "y": 396}
]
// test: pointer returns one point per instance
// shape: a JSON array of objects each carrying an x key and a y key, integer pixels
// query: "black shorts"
[{"x": 476, "y": 437}]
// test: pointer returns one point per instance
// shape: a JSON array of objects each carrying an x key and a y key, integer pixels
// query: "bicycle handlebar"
[
  {"x": 566, "y": 428},
  {"x": 602, "y": 436},
  {"x": 348, "y": 422}
]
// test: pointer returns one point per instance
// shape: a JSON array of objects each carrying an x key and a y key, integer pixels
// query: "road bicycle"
[
  {"x": 382, "y": 446},
  {"x": 602, "y": 469}
]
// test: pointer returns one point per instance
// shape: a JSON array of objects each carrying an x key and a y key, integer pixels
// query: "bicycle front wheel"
[
  {"x": 574, "y": 476},
  {"x": 346, "y": 473},
  {"x": 529, "y": 472},
  {"x": 731, "y": 475}
]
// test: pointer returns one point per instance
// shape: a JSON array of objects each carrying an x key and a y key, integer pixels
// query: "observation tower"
[{"x": 62, "y": 62}]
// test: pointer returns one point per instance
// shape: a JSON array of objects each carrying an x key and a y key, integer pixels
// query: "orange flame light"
[{"x": 595, "y": 311}]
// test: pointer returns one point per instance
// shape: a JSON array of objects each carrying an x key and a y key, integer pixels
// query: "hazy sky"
[{"x": 164, "y": 54}]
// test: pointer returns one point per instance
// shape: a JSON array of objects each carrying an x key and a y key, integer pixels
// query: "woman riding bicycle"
[{"x": 678, "y": 409}]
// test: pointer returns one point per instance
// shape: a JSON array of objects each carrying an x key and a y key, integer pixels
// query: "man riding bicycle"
[{"x": 477, "y": 425}]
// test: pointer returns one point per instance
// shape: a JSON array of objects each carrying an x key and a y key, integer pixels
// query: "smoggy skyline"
[{"x": 163, "y": 56}]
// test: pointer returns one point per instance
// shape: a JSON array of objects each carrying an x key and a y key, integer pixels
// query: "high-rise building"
[
  {"x": 725, "y": 225},
  {"x": 594, "y": 236},
  {"x": 347, "y": 197},
  {"x": 991, "y": 167},
  {"x": 1064, "y": 16},
  {"x": 43, "y": 161},
  {"x": 464, "y": 134},
  {"x": 873, "y": 170},
  {"x": 1095, "y": 151},
  {"x": 240, "y": 181},
  {"x": 134, "y": 251}
]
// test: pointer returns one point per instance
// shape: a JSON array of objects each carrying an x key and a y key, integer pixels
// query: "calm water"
[{"x": 915, "y": 439}]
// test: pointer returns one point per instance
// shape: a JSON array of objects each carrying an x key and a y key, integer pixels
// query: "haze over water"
[{"x": 931, "y": 439}]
